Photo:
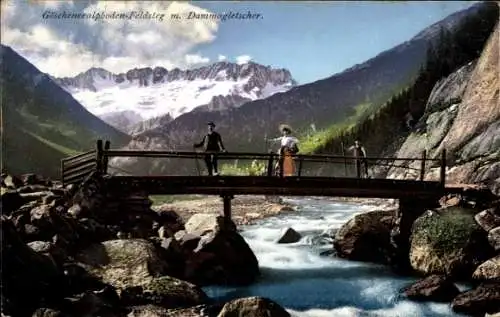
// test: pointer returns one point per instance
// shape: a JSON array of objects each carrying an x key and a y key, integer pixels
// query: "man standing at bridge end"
[
  {"x": 360, "y": 158},
  {"x": 212, "y": 142}
]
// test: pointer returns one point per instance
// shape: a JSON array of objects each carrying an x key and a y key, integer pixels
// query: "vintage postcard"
[{"x": 250, "y": 158}]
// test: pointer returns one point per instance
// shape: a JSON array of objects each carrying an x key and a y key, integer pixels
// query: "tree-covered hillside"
[{"x": 397, "y": 117}]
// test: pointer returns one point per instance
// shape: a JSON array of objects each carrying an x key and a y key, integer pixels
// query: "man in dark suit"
[
  {"x": 212, "y": 142},
  {"x": 360, "y": 158}
]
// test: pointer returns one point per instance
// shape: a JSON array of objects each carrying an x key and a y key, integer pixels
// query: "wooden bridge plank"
[{"x": 293, "y": 186}]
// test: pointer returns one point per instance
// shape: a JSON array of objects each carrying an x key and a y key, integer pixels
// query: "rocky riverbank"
[
  {"x": 456, "y": 242},
  {"x": 76, "y": 251},
  {"x": 459, "y": 240},
  {"x": 244, "y": 209}
]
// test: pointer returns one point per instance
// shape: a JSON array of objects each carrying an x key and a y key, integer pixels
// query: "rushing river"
[{"x": 310, "y": 285}]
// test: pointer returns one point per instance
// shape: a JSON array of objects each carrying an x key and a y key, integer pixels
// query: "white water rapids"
[{"x": 310, "y": 285}]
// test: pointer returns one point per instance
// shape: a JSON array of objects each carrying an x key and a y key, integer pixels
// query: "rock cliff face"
[{"x": 463, "y": 117}]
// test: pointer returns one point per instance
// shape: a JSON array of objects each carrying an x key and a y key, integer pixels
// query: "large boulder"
[
  {"x": 489, "y": 270},
  {"x": 222, "y": 257},
  {"x": 437, "y": 288},
  {"x": 253, "y": 307},
  {"x": 123, "y": 263},
  {"x": 215, "y": 253},
  {"x": 166, "y": 292},
  {"x": 366, "y": 237},
  {"x": 481, "y": 300},
  {"x": 448, "y": 241}
]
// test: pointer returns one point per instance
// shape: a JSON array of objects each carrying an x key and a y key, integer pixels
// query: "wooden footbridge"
[{"x": 76, "y": 168}]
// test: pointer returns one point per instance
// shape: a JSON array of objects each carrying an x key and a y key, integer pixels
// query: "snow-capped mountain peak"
[{"x": 154, "y": 92}]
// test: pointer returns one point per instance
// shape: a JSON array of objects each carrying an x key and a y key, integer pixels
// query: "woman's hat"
[{"x": 285, "y": 127}]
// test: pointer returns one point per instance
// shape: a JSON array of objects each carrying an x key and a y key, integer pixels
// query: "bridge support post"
[
  {"x": 409, "y": 210},
  {"x": 442, "y": 173},
  {"x": 422, "y": 165},
  {"x": 226, "y": 199}
]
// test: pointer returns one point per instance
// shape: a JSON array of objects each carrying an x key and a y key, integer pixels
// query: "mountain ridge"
[
  {"x": 143, "y": 94},
  {"x": 41, "y": 122}
]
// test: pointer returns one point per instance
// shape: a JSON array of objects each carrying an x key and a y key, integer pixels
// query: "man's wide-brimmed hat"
[
  {"x": 284, "y": 127},
  {"x": 210, "y": 123}
]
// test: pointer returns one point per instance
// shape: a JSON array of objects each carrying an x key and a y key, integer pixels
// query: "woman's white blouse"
[{"x": 287, "y": 141}]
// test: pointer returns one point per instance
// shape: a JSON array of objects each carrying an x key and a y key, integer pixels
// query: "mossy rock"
[
  {"x": 448, "y": 241},
  {"x": 166, "y": 292},
  {"x": 123, "y": 263}
]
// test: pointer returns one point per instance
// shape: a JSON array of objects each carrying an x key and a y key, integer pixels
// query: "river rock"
[
  {"x": 290, "y": 236},
  {"x": 489, "y": 270},
  {"x": 165, "y": 291},
  {"x": 448, "y": 242},
  {"x": 222, "y": 257},
  {"x": 437, "y": 288},
  {"x": 366, "y": 237},
  {"x": 481, "y": 300},
  {"x": 488, "y": 219},
  {"x": 253, "y": 307},
  {"x": 494, "y": 238},
  {"x": 203, "y": 223},
  {"x": 123, "y": 263}
]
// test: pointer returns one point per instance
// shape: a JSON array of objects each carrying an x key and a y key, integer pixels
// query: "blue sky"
[
  {"x": 311, "y": 39},
  {"x": 315, "y": 40}
]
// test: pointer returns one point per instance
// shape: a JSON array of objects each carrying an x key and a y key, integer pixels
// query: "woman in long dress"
[{"x": 287, "y": 150}]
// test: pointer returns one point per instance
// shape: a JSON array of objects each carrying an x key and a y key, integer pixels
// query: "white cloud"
[
  {"x": 53, "y": 4},
  {"x": 194, "y": 59},
  {"x": 65, "y": 47},
  {"x": 243, "y": 59},
  {"x": 222, "y": 58}
]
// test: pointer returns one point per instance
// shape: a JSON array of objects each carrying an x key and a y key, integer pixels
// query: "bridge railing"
[
  {"x": 103, "y": 153},
  {"x": 74, "y": 169}
]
